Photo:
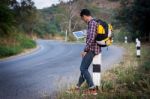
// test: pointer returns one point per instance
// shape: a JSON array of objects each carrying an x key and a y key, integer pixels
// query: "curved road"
[{"x": 51, "y": 68}]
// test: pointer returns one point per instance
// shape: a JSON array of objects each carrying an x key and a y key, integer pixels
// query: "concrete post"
[
  {"x": 126, "y": 39},
  {"x": 138, "y": 48},
  {"x": 136, "y": 40},
  {"x": 66, "y": 36},
  {"x": 97, "y": 62}
]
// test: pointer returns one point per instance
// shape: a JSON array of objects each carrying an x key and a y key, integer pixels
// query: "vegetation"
[
  {"x": 16, "y": 15},
  {"x": 17, "y": 20},
  {"x": 55, "y": 20},
  {"x": 14, "y": 44},
  {"x": 134, "y": 16},
  {"x": 65, "y": 16},
  {"x": 127, "y": 15}
]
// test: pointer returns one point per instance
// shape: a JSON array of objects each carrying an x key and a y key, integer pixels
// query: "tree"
[
  {"x": 6, "y": 17},
  {"x": 21, "y": 15},
  {"x": 135, "y": 15},
  {"x": 70, "y": 15},
  {"x": 26, "y": 15}
]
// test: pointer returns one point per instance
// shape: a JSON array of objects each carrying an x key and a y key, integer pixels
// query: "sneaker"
[
  {"x": 73, "y": 90},
  {"x": 90, "y": 92}
]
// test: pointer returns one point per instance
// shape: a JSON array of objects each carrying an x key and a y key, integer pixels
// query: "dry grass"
[
  {"x": 14, "y": 44},
  {"x": 130, "y": 75}
]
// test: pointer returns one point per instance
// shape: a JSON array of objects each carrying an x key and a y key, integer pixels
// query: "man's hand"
[{"x": 83, "y": 54}]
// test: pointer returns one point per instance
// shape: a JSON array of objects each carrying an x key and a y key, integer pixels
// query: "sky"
[{"x": 45, "y": 3}]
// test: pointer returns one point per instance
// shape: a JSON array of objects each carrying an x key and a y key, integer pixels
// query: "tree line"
[
  {"x": 23, "y": 16},
  {"x": 134, "y": 15},
  {"x": 17, "y": 16}
]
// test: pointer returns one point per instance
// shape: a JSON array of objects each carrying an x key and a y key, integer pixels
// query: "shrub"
[{"x": 9, "y": 50}]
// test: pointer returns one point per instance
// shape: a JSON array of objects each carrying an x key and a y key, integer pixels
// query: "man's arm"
[{"x": 91, "y": 34}]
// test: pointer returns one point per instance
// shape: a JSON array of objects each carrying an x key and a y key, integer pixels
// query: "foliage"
[
  {"x": 65, "y": 16},
  {"x": 15, "y": 44},
  {"x": 9, "y": 50},
  {"x": 6, "y": 18},
  {"x": 20, "y": 15},
  {"x": 15, "y": 17},
  {"x": 24, "y": 17},
  {"x": 134, "y": 15},
  {"x": 119, "y": 35},
  {"x": 25, "y": 42}
]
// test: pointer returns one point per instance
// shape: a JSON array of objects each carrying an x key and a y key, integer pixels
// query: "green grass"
[
  {"x": 130, "y": 79},
  {"x": 15, "y": 44},
  {"x": 9, "y": 50},
  {"x": 25, "y": 42}
]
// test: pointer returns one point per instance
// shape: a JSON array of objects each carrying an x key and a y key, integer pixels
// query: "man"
[{"x": 91, "y": 49}]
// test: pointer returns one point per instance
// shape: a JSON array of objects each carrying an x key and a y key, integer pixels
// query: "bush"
[
  {"x": 107, "y": 85},
  {"x": 25, "y": 42},
  {"x": 146, "y": 66},
  {"x": 21, "y": 42},
  {"x": 9, "y": 50}
]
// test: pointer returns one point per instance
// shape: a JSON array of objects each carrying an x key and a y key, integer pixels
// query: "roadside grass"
[
  {"x": 130, "y": 79},
  {"x": 14, "y": 44}
]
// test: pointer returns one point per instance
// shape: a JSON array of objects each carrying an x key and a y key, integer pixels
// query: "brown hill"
[{"x": 107, "y": 4}]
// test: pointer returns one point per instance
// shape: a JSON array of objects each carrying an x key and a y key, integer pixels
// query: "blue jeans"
[{"x": 85, "y": 75}]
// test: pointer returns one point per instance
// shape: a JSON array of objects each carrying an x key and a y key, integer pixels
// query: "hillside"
[
  {"x": 107, "y": 4},
  {"x": 65, "y": 16}
]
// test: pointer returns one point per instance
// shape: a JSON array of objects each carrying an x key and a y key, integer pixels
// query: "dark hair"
[{"x": 85, "y": 12}]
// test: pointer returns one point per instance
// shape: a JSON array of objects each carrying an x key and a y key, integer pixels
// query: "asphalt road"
[{"x": 54, "y": 66}]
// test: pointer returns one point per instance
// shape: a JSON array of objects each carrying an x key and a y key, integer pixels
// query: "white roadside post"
[
  {"x": 138, "y": 48},
  {"x": 136, "y": 40},
  {"x": 66, "y": 36},
  {"x": 97, "y": 62},
  {"x": 126, "y": 39},
  {"x": 112, "y": 40}
]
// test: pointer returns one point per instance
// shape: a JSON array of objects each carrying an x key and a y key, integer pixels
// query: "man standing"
[{"x": 91, "y": 49}]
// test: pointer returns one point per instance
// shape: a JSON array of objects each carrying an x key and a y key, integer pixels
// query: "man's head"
[{"x": 85, "y": 15}]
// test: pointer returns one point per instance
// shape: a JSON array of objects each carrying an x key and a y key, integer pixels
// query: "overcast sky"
[{"x": 45, "y": 3}]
